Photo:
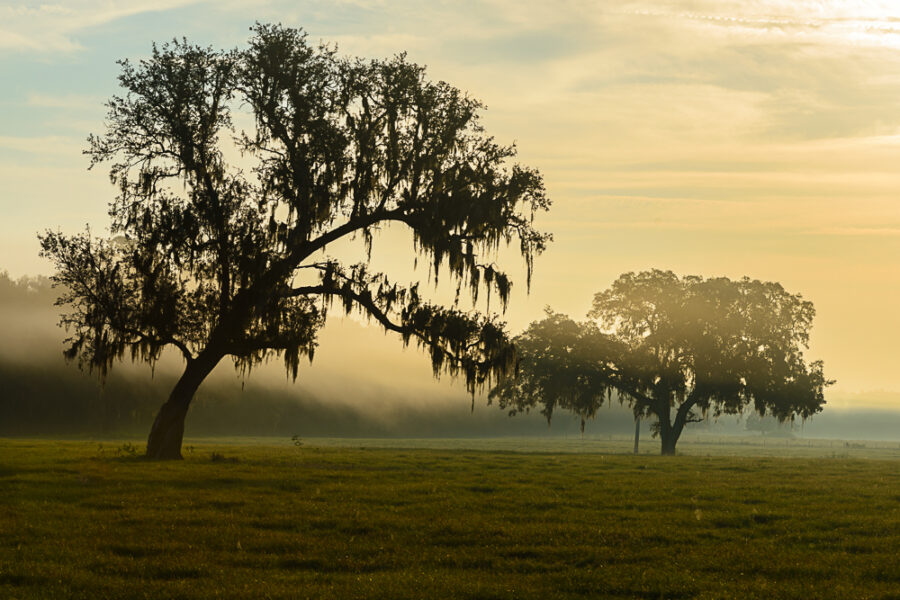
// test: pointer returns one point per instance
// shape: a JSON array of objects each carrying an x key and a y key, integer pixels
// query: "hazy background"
[
  {"x": 387, "y": 393},
  {"x": 706, "y": 137}
]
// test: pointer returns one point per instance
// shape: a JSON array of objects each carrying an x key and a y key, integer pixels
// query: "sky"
[{"x": 717, "y": 138}]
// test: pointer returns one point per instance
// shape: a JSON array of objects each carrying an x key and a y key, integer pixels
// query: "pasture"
[{"x": 476, "y": 519}]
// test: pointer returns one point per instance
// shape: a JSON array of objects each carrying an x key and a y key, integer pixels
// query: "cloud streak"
[
  {"x": 54, "y": 27},
  {"x": 43, "y": 145}
]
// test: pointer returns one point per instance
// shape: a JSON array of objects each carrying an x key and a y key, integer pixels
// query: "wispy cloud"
[
  {"x": 53, "y": 27},
  {"x": 860, "y": 231},
  {"x": 56, "y": 145},
  {"x": 855, "y": 23},
  {"x": 65, "y": 101}
]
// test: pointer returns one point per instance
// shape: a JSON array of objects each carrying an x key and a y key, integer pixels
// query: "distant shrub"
[{"x": 127, "y": 449}]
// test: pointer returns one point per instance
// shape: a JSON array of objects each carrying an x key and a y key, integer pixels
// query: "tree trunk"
[
  {"x": 681, "y": 419},
  {"x": 164, "y": 441},
  {"x": 668, "y": 436},
  {"x": 667, "y": 447}
]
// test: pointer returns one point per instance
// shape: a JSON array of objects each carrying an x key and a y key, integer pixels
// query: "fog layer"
[{"x": 361, "y": 385}]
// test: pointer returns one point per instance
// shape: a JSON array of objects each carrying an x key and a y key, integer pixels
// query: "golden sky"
[{"x": 707, "y": 137}]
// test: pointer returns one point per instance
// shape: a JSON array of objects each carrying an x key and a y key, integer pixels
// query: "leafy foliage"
[
  {"x": 562, "y": 365},
  {"x": 220, "y": 234},
  {"x": 708, "y": 346}
]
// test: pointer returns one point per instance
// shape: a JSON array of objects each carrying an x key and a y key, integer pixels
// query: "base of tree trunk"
[
  {"x": 667, "y": 448},
  {"x": 164, "y": 442}
]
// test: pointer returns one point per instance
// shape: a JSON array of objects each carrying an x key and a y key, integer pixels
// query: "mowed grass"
[{"x": 78, "y": 521}]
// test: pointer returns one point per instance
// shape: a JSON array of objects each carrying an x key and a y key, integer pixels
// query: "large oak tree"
[
  {"x": 220, "y": 233},
  {"x": 676, "y": 349}
]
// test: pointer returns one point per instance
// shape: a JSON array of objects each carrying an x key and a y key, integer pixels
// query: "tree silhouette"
[
  {"x": 220, "y": 234},
  {"x": 662, "y": 343}
]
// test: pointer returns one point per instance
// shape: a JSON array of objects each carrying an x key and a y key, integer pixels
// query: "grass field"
[{"x": 82, "y": 520}]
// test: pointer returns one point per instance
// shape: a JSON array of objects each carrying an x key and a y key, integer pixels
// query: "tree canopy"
[
  {"x": 700, "y": 347},
  {"x": 235, "y": 171}
]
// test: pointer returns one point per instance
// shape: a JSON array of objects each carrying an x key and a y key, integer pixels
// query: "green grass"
[{"x": 326, "y": 521}]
